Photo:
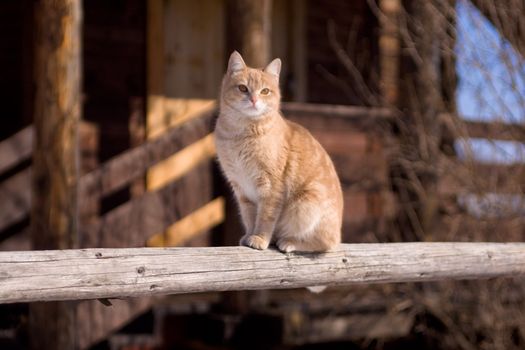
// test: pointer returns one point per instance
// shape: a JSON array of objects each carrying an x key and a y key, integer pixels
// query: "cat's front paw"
[
  {"x": 255, "y": 242},
  {"x": 286, "y": 246}
]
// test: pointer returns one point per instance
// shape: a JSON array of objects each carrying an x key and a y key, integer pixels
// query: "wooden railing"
[{"x": 121, "y": 273}]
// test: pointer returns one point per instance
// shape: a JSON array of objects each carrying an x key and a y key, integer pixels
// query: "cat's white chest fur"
[
  {"x": 244, "y": 178},
  {"x": 240, "y": 170}
]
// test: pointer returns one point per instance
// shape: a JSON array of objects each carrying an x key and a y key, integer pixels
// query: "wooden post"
[
  {"x": 55, "y": 158},
  {"x": 300, "y": 60},
  {"x": 390, "y": 49},
  {"x": 249, "y": 29}
]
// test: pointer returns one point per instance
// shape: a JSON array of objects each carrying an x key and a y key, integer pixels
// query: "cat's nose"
[{"x": 253, "y": 99}]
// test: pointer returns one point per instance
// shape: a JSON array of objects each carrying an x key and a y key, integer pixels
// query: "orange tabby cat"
[{"x": 284, "y": 181}]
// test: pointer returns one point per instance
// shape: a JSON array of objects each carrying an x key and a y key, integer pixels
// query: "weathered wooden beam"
[
  {"x": 249, "y": 28},
  {"x": 347, "y": 112},
  {"x": 55, "y": 170},
  {"x": 57, "y": 115},
  {"x": 118, "y": 273},
  {"x": 495, "y": 131}
]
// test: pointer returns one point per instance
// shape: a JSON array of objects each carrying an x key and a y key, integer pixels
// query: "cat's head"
[{"x": 249, "y": 91}]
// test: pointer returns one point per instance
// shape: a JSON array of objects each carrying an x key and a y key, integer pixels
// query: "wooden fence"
[
  {"x": 118, "y": 273},
  {"x": 182, "y": 203},
  {"x": 15, "y": 175}
]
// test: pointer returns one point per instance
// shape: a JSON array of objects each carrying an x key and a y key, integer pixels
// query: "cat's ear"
[
  {"x": 236, "y": 63},
  {"x": 274, "y": 68}
]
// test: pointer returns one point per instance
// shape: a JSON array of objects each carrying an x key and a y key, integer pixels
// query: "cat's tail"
[{"x": 316, "y": 289}]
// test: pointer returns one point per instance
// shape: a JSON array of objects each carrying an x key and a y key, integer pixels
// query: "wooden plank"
[
  {"x": 188, "y": 227},
  {"x": 84, "y": 274},
  {"x": 119, "y": 171},
  {"x": 181, "y": 162},
  {"x": 494, "y": 131},
  {"x": 341, "y": 111},
  {"x": 178, "y": 111},
  {"x": 343, "y": 142},
  {"x": 16, "y": 149},
  {"x": 459, "y": 177}
]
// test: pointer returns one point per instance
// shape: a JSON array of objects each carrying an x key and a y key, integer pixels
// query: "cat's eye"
[
  {"x": 243, "y": 88},
  {"x": 265, "y": 91}
]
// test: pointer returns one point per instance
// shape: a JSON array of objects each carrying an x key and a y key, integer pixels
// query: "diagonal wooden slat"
[
  {"x": 15, "y": 196},
  {"x": 16, "y": 149},
  {"x": 116, "y": 173}
]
